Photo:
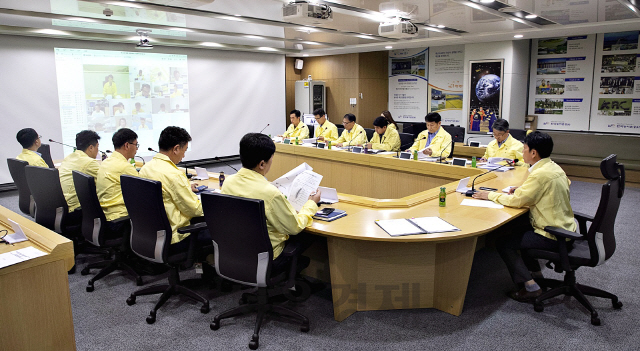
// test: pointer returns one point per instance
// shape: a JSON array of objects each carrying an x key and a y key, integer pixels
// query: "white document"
[
  {"x": 480, "y": 203},
  {"x": 428, "y": 158},
  {"x": 17, "y": 236},
  {"x": 13, "y": 257},
  {"x": 277, "y": 139},
  {"x": 328, "y": 195},
  {"x": 298, "y": 184},
  {"x": 434, "y": 225},
  {"x": 309, "y": 141},
  {"x": 495, "y": 160},
  {"x": 387, "y": 153},
  {"x": 462, "y": 185},
  {"x": 308, "y": 145},
  {"x": 201, "y": 173},
  {"x": 398, "y": 227},
  {"x": 284, "y": 183},
  {"x": 507, "y": 189},
  {"x": 498, "y": 168}
]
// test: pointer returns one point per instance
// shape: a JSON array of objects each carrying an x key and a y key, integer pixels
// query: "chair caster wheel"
[
  {"x": 204, "y": 308},
  {"x": 90, "y": 287},
  {"x": 301, "y": 293},
  {"x": 538, "y": 307},
  {"x": 139, "y": 282},
  {"x": 616, "y": 304},
  {"x": 131, "y": 300},
  {"x": 85, "y": 271},
  {"x": 595, "y": 320},
  {"x": 214, "y": 325},
  {"x": 304, "y": 328},
  {"x": 254, "y": 343},
  {"x": 151, "y": 318}
]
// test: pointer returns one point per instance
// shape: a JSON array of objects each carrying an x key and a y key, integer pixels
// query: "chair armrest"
[
  {"x": 291, "y": 249},
  {"x": 121, "y": 219},
  {"x": 193, "y": 228},
  {"x": 582, "y": 217},
  {"x": 563, "y": 233}
]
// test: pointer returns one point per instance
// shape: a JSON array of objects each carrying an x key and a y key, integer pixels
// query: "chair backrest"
[
  {"x": 457, "y": 133},
  {"x": 518, "y": 134},
  {"x": 45, "y": 153},
  {"x": 340, "y": 130},
  {"x": 51, "y": 206},
  {"x": 415, "y": 128},
  {"x": 94, "y": 221},
  {"x": 601, "y": 236},
  {"x": 369, "y": 132},
  {"x": 310, "y": 126},
  {"x": 238, "y": 227},
  {"x": 25, "y": 200},
  {"x": 150, "y": 228},
  {"x": 406, "y": 140}
]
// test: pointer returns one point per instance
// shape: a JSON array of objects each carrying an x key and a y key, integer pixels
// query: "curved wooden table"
[{"x": 370, "y": 270}]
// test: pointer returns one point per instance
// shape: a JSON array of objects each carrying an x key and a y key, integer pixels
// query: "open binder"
[{"x": 415, "y": 226}]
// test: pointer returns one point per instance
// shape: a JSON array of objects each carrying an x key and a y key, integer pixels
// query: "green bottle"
[
  {"x": 297, "y": 141},
  {"x": 443, "y": 197},
  {"x": 329, "y": 144},
  {"x": 415, "y": 155},
  {"x": 473, "y": 162},
  {"x": 133, "y": 162}
]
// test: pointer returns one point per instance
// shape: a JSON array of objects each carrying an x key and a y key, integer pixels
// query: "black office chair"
[
  {"x": 244, "y": 254},
  {"x": 151, "y": 239},
  {"x": 97, "y": 231},
  {"x": 25, "y": 199},
  {"x": 340, "y": 130},
  {"x": 591, "y": 248},
  {"x": 45, "y": 153},
  {"x": 369, "y": 132},
  {"x": 518, "y": 134},
  {"x": 310, "y": 126},
  {"x": 406, "y": 140},
  {"x": 457, "y": 133},
  {"x": 415, "y": 128}
]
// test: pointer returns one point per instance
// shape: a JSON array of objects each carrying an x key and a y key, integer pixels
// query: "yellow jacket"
[
  {"x": 301, "y": 131},
  {"x": 108, "y": 185},
  {"x": 546, "y": 193},
  {"x": 510, "y": 148},
  {"x": 328, "y": 130},
  {"x": 440, "y": 144},
  {"x": 390, "y": 141},
  {"x": 180, "y": 203},
  {"x": 282, "y": 219},
  {"x": 357, "y": 136},
  {"x": 76, "y": 161},
  {"x": 32, "y": 157},
  {"x": 110, "y": 89},
  {"x": 392, "y": 126}
]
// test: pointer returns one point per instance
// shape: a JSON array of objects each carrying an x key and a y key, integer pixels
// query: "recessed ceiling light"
[
  {"x": 180, "y": 29},
  {"x": 531, "y": 16},
  {"x": 440, "y": 26},
  {"x": 365, "y": 37},
  {"x": 52, "y": 32},
  {"x": 486, "y": 1},
  {"x": 207, "y": 43},
  {"x": 518, "y": 36},
  {"x": 312, "y": 43},
  {"x": 305, "y": 55},
  {"x": 266, "y": 48},
  {"x": 81, "y": 19},
  {"x": 232, "y": 18},
  {"x": 388, "y": 47},
  {"x": 253, "y": 37},
  {"x": 238, "y": 15}
]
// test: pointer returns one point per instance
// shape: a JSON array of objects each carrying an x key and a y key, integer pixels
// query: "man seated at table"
[
  {"x": 180, "y": 200},
  {"x": 256, "y": 155},
  {"x": 353, "y": 133},
  {"x": 384, "y": 138},
  {"x": 325, "y": 130},
  {"x": 125, "y": 143},
  {"x": 296, "y": 128},
  {"x": 435, "y": 141},
  {"x": 30, "y": 141},
  {"x": 504, "y": 144},
  {"x": 82, "y": 160},
  {"x": 546, "y": 193}
]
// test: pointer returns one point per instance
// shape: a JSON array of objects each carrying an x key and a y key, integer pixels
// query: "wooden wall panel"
[
  {"x": 374, "y": 65},
  {"x": 375, "y": 93}
]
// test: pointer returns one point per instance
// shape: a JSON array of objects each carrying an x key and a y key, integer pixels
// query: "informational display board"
[
  {"x": 446, "y": 72},
  {"x": 408, "y": 84},
  {"x": 616, "y": 84},
  {"x": 561, "y": 80}
]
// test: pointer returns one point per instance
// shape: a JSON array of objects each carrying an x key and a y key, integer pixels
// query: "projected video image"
[{"x": 144, "y": 92}]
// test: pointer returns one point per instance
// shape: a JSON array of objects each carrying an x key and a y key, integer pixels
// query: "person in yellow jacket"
[
  {"x": 109, "y": 87},
  {"x": 504, "y": 144},
  {"x": 83, "y": 159},
  {"x": 353, "y": 133},
  {"x": 325, "y": 130},
  {"x": 296, "y": 128},
  {"x": 180, "y": 200},
  {"x": 384, "y": 138},
  {"x": 125, "y": 143},
  {"x": 30, "y": 141},
  {"x": 256, "y": 155},
  {"x": 392, "y": 122},
  {"x": 546, "y": 193},
  {"x": 434, "y": 141}
]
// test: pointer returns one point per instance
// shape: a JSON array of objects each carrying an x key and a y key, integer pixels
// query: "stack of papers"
[
  {"x": 331, "y": 216},
  {"x": 498, "y": 168},
  {"x": 17, "y": 256},
  {"x": 298, "y": 184},
  {"x": 413, "y": 226},
  {"x": 480, "y": 203}
]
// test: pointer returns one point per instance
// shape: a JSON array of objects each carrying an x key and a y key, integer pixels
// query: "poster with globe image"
[{"x": 485, "y": 95}]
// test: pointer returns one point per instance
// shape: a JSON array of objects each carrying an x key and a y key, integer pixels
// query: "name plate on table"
[
  {"x": 405, "y": 155},
  {"x": 356, "y": 149},
  {"x": 459, "y": 162},
  {"x": 320, "y": 145},
  {"x": 474, "y": 143},
  {"x": 287, "y": 141}
]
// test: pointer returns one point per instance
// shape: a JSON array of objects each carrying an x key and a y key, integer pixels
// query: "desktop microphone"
[
  {"x": 57, "y": 142},
  {"x": 150, "y": 149},
  {"x": 265, "y": 127},
  {"x": 352, "y": 139},
  {"x": 411, "y": 142},
  {"x": 219, "y": 159},
  {"x": 442, "y": 152},
  {"x": 473, "y": 184}
]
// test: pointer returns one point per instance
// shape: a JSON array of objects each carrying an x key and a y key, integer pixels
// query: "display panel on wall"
[
  {"x": 485, "y": 94},
  {"x": 408, "y": 84},
  {"x": 616, "y": 84},
  {"x": 446, "y": 72},
  {"x": 560, "y": 82}
]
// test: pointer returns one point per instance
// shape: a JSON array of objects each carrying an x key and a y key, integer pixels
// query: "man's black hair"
[
  {"x": 380, "y": 122},
  {"x": 123, "y": 136},
  {"x": 295, "y": 112},
  {"x": 351, "y": 117},
  {"x": 541, "y": 142},
  {"x": 86, "y": 138},
  {"x": 433, "y": 117},
  {"x": 255, "y": 147},
  {"x": 27, "y": 137},
  {"x": 172, "y": 136},
  {"x": 501, "y": 125},
  {"x": 319, "y": 112}
]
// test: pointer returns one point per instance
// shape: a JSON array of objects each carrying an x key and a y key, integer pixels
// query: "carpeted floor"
[{"x": 490, "y": 320}]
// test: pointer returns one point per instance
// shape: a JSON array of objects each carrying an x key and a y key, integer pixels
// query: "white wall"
[{"x": 231, "y": 93}]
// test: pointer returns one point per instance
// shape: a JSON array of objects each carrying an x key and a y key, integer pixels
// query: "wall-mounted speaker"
[{"x": 299, "y": 64}]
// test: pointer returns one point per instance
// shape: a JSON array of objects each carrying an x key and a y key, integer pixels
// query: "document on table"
[
  {"x": 298, "y": 184},
  {"x": 498, "y": 168},
  {"x": 495, "y": 160},
  {"x": 480, "y": 203},
  {"x": 422, "y": 225},
  {"x": 434, "y": 225},
  {"x": 310, "y": 141},
  {"x": 17, "y": 256}
]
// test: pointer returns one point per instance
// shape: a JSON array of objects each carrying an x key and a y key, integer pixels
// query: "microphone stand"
[
  {"x": 470, "y": 193},
  {"x": 442, "y": 152},
  {"x": 265, "y": 127},
  {"x": 57, "y": 142},
  {"x": 350, "y": 141},
  {"x": 221, "y": 160}
]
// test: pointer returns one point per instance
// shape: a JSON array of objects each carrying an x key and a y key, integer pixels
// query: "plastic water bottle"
[
  {"x": 133, "y": 162},
  {"x": 297, "y": 141},
  {"x": 415, "y": 155},
  {"x": 329, "y": 144},
  {"x": 473, "y": 162},
  {"x": 221, "y": 178},
  {"x": 443, "y": 197}
]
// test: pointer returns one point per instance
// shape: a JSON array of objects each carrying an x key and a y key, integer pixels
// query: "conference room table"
[{"x": 371, "y": 270}]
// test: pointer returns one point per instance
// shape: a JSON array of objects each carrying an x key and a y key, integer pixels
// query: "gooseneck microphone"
[
  {"x": 473, "y": 184},
  {"x": 265, "y": 127},
  {"x": 411, "y": 142},
  {"x": 221, "y": 160},
  {"x": 151, "y": 149},
  {"x": 57, "y": 142},
  {"x": 442, "y": 152},
  {"x": 352, "y": 139},
  {"x": 140, "y": 157}
]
